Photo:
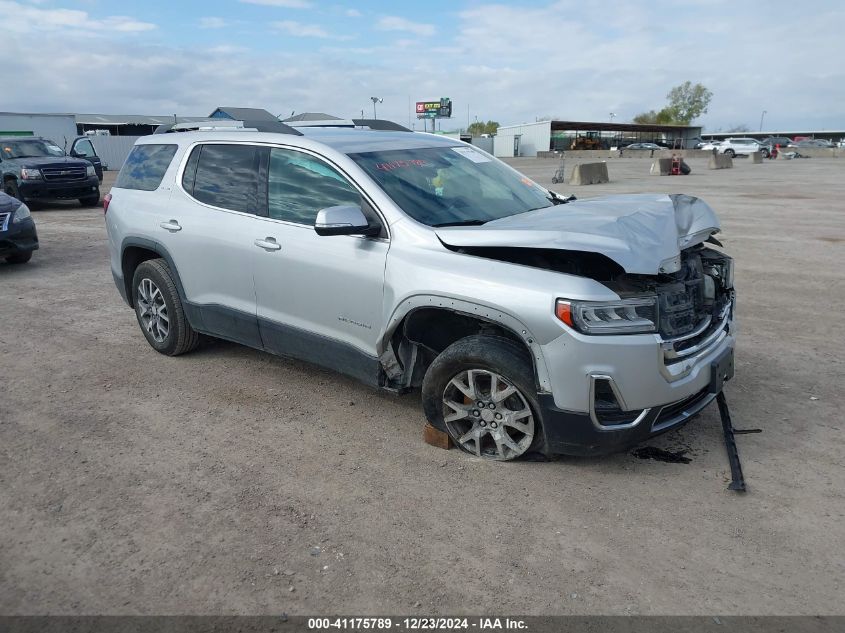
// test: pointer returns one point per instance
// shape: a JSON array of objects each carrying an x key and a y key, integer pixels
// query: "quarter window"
[
  {"x": 226, "y": 176},
  {"x": 145, "y": 167},
  {"x": 300, "y": 185}
]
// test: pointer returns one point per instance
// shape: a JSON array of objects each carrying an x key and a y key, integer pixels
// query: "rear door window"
[
  {"x": 225, "y": 176},
  {"x": 145, "y": 167}
]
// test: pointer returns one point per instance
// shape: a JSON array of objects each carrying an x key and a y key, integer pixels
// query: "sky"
[{"x": 511, "y": 62}]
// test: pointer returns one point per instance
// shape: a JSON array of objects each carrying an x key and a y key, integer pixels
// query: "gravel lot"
[{"x": 231, "y": 481}]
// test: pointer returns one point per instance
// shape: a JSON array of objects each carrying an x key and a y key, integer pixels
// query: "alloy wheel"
[
  {"x": 487, "y": 415},
  {"x": 152, "y": 310}
]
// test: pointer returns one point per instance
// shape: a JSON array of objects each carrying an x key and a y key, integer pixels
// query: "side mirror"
[{"x": 344, "y": 220}]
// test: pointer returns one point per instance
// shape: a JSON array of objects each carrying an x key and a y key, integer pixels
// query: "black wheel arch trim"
[{"x": 155, "y": 247}]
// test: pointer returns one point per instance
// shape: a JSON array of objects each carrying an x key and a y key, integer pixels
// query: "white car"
[{"x": 739, "y": 146}]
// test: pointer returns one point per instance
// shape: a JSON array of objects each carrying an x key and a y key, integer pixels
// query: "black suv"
[
  {"x": 38, "y": 169},
  {"x": 17, "y": 231}
]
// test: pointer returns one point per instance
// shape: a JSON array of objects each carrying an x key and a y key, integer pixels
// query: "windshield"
[
  {"x": 442, "y": 186},
  {"x": 30, "y": 148}
]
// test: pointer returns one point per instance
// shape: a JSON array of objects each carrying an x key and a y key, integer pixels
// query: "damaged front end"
[{"x": 657, "y": 255}]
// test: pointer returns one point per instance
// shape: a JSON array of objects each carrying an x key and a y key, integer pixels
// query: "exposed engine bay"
[{"x": 698, "y": 293}]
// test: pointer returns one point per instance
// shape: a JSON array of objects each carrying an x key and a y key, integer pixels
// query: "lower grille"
[
  {"x": 678, "y": 412},
  {"x": 64, "y": 174}
]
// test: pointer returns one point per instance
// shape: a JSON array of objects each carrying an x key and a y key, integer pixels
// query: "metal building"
[
  {"x": 527, "y": 139},
  {"x": 56, "y": 127}
]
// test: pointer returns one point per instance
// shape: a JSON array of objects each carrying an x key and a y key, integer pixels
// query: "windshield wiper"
[{"x": 462, "y": 223}]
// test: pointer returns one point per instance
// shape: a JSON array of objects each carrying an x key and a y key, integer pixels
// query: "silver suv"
[
  {"x": 740, "y": 147},
  {"x": 531, "y": 322}
]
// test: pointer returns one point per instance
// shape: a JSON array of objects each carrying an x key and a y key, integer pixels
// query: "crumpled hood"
[{"x": 643, "y": 233}]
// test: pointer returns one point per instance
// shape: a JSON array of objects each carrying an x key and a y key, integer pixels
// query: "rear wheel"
[
  {"x": 19, "y": 258},
  {"x": 765, "y": 152},
  {"x": 481, "y": 390},
  {"x": 159, "y": 311}
]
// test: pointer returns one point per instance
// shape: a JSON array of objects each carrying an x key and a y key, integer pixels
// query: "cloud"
[
  {"x": 212, "y": 23},
  {"x": 506, "y": 63},
  {"x": 396, "y": 23},
  {"x": 352, "y": 13},
  {"x": 298, "y": 29},
  {"x": 21, "y": 18},
  {"x": 287, "y": 4}
]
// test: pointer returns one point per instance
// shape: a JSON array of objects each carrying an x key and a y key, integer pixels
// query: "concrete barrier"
[
  {"x": 589, "y": 174},
  {"x": 661, "y": 167},
  {"x": 720, "y": 161},
  {"x": 755, "y": 158}
]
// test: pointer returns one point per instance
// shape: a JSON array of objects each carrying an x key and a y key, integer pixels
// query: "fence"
[{"x": 113, "y": 150}]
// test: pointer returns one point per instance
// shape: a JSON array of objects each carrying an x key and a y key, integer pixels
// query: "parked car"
[
  {"x": 814, "y": 142},
  {"x": 710, "y": 145},
  {"x": 18, "y": 237},
  {"x": 772, "y": 141},
  {"x": 741, "y": 146},
  {"x": 413, "y": 261},
  {"x": 37, "y": 169},
  {"x": 652, "y": 146}
]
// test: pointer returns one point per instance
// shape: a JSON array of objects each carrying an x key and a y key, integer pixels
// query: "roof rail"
[
  {"x": 380, "y": 124},
  {"x": 276, "y": 127}
]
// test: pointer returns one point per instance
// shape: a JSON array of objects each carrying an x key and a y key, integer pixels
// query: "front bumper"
[
  {"x": 657, "y": 385},
  {"x": 44, "y": 190},
  {"x": 18, "y": 237}
]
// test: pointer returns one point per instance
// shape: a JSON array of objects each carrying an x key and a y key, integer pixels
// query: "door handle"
[
  {"x": 171, "y": 225},
  {"x": 268, "y": 244}
]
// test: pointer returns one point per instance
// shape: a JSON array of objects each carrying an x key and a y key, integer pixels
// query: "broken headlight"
[{"x": 626, "y": 316}]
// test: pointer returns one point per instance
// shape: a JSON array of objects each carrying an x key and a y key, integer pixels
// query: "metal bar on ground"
[{"x": 737, "y": 480}]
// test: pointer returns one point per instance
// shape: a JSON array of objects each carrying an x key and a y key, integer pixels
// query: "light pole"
[
  {"x": 761, "y": 120},
  {"x": 375, "y": 100}
]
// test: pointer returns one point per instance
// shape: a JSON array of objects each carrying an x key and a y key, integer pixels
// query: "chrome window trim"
[{"x": 191, "y": 146}]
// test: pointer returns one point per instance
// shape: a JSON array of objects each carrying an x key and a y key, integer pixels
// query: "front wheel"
[
  {"x": 12, "y": 189},
  {"x": 90, "y": 201},
  {"x": 19, "y": 258},
  {"x": 730, "y": 152},
  {"x": 765, "y": 153},
  {"x": 159, "y": 309},
  {"x": 481, "y": 390}
]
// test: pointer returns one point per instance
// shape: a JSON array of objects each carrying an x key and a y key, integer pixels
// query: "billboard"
[{"x": 434, "y": 109}]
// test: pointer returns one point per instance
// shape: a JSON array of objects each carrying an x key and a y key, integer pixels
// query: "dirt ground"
[{"x": 230, "y": 481}]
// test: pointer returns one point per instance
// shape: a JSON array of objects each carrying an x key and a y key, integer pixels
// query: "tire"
[
  {"x": 685, "y": 169},
  {"x": 19, "y": 258},
  {"x": 11, "y": 188},
  {"x": 90, "y": 201},
  {"x": 730, "y": 152},
  {"x": 765, "y": 153},
  {"x": 159, "y": 311},
  {"x": 486, "y": 368}
]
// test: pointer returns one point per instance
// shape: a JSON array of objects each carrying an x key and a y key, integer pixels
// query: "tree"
[
  {"x": 480, "y": 127},
  {"x": 664, "y": 117},
  {"x": 740, "y": 128},
  {"x": 688, "y": 101}
]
